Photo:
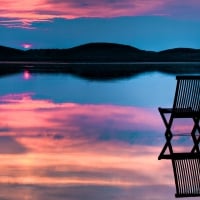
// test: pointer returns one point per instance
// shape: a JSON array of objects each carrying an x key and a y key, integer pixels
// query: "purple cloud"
[{"x": 33, "y": 11}]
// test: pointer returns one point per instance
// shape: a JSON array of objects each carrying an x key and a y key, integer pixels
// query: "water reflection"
[
  {"x": 150, "y": 89},
  {"x": 52, "y": 149},
  {"x": 27, "y": 75},
  {"x": 65, "y": 144}
]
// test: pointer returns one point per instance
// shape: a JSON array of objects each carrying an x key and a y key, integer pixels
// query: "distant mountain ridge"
[
  {"x": 100, "y": 52},
  {"x": 8, "y": 50}
]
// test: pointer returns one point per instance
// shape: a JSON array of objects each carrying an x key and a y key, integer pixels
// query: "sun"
[{"x": 27, "y": 45}]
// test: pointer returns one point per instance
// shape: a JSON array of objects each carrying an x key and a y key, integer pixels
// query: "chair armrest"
[{"x": 165, "y": 110}]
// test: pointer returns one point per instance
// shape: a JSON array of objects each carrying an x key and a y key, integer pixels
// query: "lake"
[{"x": 63, "y": 137}]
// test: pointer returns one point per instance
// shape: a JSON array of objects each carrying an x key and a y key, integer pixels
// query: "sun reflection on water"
[{"x": 26, "y": 75}]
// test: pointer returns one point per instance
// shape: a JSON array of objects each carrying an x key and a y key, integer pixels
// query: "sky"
[{"x": 146, "y": 24}]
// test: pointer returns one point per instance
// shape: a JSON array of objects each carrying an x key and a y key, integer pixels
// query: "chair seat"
[
  {"x": 179, "y": 156},
  {"x": 180, "y": 112}
]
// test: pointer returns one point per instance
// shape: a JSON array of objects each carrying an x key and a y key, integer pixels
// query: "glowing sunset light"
[
  {"x": 69, "y": 144},
  {"x": 122, "y": 117},
  {"x": 26, "y": 45},
  {"x": 26, "y": 75},
  {"x": 44, "y": 9},
  {"x": 40, "y": 168},
  {"x": 41, "y": 10}
]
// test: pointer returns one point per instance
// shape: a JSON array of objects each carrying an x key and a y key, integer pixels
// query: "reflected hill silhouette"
[
  {"x": 99, "y": 61},
  {"x": 101, "y": 71}
]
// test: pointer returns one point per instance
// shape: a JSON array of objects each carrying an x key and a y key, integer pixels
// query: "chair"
[{"x": 186, "y": 165}]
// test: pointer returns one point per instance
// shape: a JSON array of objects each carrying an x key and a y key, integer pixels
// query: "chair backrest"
[
  {"x": 187, "y": 95},
  {"x": 187, "y": 177}
]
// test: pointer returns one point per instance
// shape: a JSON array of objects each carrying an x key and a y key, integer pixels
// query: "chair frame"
[
  {"x": 186, "y": 165},
  {"x": 184, "y": 106}
]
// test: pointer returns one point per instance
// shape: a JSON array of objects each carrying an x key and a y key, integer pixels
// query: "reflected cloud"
[
  {"x": 8, "y": 145},
  {"x": 84, "y": 192},
  {"x": 71, "y": 119},
  {"x": 72, "y": 146}
]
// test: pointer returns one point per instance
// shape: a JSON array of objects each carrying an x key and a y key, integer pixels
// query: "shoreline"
[
  {"x": 103, "y": 63},
  {"x": 99, "y": 70}
]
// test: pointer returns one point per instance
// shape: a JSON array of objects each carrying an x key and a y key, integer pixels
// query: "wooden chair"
[{"x": 186, "y": 165}]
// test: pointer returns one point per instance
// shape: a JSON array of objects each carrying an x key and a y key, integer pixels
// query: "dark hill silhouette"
[
  {"x": 180, "y": 54},
  {"x": 100, "y": 52},
  {"x": 100, "y": 47},
  {"x": 180, "y": 50},
  {"x": 7, "y": 51},
  {"x": 92, "y": 52},
  {"x": 87, "y": 61}
]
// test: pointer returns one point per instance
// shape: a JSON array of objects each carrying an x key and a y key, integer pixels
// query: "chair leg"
[
  {"x": 168, "y": 135},
  {"x": 195, "y": 140}
]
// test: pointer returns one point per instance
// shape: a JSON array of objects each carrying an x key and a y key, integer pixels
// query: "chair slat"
[
  {"x": 187, "y": 175},
  {"x": 187, "y": 94}
]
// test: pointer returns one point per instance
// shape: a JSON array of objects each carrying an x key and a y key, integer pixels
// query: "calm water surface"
[{"x": 62, "y": 137}]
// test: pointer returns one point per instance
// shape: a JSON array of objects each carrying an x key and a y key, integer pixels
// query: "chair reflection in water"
[{"x": 186, "y": 165}]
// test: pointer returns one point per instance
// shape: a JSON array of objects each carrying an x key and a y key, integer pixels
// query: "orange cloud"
[
  {"x": 73, "y": 117},
  {"x": 85, "y": 168},
  {"x": 14, "y": 14},
  {"x": 23, "y": 13},
  {"x": 60, "y": 144}
]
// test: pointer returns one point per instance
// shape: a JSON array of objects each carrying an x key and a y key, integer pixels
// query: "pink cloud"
[
  {"x": 44, "y": 113},
  {"x": 15, "y": 15},
  {"x": 62, "y": 148}
]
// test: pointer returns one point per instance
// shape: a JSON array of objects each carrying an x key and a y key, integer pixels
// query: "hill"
[
  {"x": 180, "y": 54},
  {"x": 92, "y": 52},
  {"x": 7, "y": 53},
  {"x": 100, "y": 52}
]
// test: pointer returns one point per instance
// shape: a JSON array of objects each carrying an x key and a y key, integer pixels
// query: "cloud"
[
  {"x": 8, "y": 145},
  {"x": 88, "y": 122},
  {"x": 47, "y": 10},
  {"x": 182, "y": 9},
  {"x": 17, "y": 191},
  {"x": 78, "y": 150},
  {"x": 30, "y": 120}
]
